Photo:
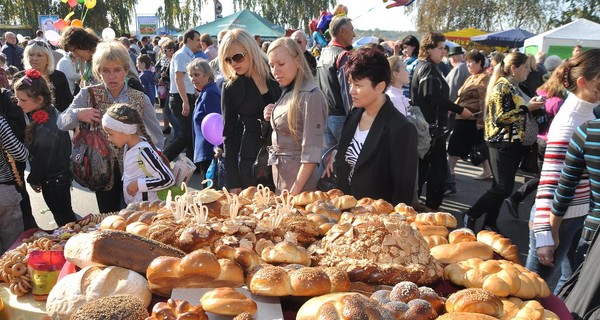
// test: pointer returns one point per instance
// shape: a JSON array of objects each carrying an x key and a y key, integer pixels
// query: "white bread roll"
[
  {"x": 452, "y": 253},
  {"x": 501, "y": 245},
  {"x": 91, "y": 283}
]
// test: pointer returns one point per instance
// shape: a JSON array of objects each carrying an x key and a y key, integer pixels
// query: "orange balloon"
[{"x": 76, "y": 23}]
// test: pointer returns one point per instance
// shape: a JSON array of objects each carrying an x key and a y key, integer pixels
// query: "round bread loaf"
[
  {"x": 227, "y": 301},
  {"x": 122, "y": 307},
  {"x": 286, "y": 252},
  {"x": 114, "y": 222},
  {"x": 177, "y": 310},
  {"x": 139, "y": 228},
  {"x": 475, "y": 300}
]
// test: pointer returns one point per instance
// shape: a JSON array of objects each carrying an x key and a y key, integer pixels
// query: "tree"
[
  {"x": 184, "y": 14},
  {"x": 286, "y": 13},
  {"x": 575, "y": 9}
]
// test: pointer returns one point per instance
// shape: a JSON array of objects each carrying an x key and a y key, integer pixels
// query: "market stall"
[
  {"x": 560, "y": 41},
  {"x": 260, "y": 256}
]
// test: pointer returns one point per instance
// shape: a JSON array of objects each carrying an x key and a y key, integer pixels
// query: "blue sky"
[{"x": 365, "y": 14}]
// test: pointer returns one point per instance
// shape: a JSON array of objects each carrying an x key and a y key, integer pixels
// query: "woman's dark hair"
[
  {"x": 585, "y": 64},
  {"x": 145, "y": 59},
  {"x": 411, "y": 40},
  {"x": 129, "y": 115},
  {"x": 477, "y": 57},
  {"x": 369, "y": 63},
  {"x": 75, "y": 38},
  {"x": 34, "y": 88},
  {"x": 430, "y": 41}
]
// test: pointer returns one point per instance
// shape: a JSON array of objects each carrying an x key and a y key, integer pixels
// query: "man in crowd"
[
  {"x": 13, "y": 53},
  {"x": 459, "y": 72},
  {"x": 302, "y": 40},
  {"x": 331, "y": 79},
  {"x": 148, "y": 49},
  {"x": 181, "y": 97},
  {"x": 208, "y": 46}
]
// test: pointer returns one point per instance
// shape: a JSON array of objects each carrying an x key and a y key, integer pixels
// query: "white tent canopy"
[{"x": 561, "y": 40}]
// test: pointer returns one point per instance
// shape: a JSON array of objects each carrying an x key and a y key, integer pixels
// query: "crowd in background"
[{"x": 375, "y": 121}]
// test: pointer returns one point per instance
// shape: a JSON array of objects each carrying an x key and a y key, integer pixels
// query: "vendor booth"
[
  {"x": 513, "y": 38},
  {"x": 560, "y": 41},
  {"x": 463, "y": 36},
  {"x": 245, "y": 19}
]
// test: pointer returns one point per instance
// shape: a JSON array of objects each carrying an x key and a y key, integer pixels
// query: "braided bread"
[
  {"x": 435, "y": 240},
  {"x": 297, "y": 280},
  {"x": 501, "y": 245},
  {"x": 517, "y": 309},
  {"x": 437, "y": 219}
]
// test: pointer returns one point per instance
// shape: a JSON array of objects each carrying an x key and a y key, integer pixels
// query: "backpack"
[{"x": 415, "y": 116}]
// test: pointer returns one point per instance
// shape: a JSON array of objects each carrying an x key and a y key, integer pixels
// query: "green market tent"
[{"x": 245, "y": 19}]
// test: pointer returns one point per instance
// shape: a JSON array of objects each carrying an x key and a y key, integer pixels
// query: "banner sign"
[
  {"x": 147, "y": 25},
  {"x": 46, "y": 22}
]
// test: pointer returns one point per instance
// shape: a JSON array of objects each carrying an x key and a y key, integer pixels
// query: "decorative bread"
[
  {"x": 297, "y": 280},
  {"x": 344, "y": 202},
  {"x": 501, "y": 245},
  {"x": 501, "y": 277},
  {"x": 475, "y": 300},
  {"x": 462, "y": 235},
  {"x": 435, "y": 240},
  {"x": 177, "y": 310},
  {"x": 379, "y": 206},
  {"x": 122, "y": 307},
  {"x": 116, "y": 248},
  {"x": 517, "y": 309},
  {"x": 227, "y": 301},
  {"x": 452, "y": 253},
  {"x": 308, "y": 197},
  {"x": 325, "y": 208},
  {"x": 246, "y": 258},
  {"x": 406, "y": 291},
  {"x": 92, "y": 283},
  {"x": 284, "y": 252},
  {"x": 199, "y": 269},
  {"x": 437, "y": 219},
  {"x": 379, "y": 249}
]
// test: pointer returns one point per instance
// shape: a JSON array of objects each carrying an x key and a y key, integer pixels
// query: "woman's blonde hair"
[
  {"x": 37, "y": 47},
  {"x": 111, "y": 51},
  {"x": 303, "y": 75},
  {"x": 258, "y": 66},
  {"x": 502, "y": 69}
]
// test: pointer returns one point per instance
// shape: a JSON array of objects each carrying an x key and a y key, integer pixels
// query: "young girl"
[
  {"x": 49, "y": 147},
  {"x": 11, "y": 221},
  {"x": 144, "y": 172},
  {"x": 147, "y": 77}
]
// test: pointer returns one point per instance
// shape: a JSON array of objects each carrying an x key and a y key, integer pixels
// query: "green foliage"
[{"x": 575, "y": 9}]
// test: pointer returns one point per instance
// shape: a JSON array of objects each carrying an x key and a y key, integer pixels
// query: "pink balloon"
[
  {"x": 72, "y": 3},
  {"x": 212, "y": 128}
]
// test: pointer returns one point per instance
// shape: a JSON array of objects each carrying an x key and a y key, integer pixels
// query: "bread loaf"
[
  {"x": 199, "y": 269},
  {"x": 325, "y": 208},
  {"x": 114, "y": 222},
  {"x": 437, "y": 219},
  {"x": 475, "y": 300},
  {"x": 452, "y": 253},
  {"x": 177, "y": 310},
  {"x": 246, "y": 258},
  {"x": 122, "y": 307},
  {"x": 308, "y": 197},
  {"x": 461, "y": 235},
  {"x": 430, "y": 230},
  {"x": 296, "y": 280},
  {"x": 501, "y": 245},
  {"x": 465, "y": 316},
  {"x": 227, "y": 301},
  {"x": 285, "y": 252},
  {"x": 138, "y": 228},
  {"x": 515, "y": 308},
  {"x": 501, "y": 277},
  {"x": 379, "y": 206},
  {"x": 333, "y": 193},
  {"x": 435, "y": 240},
  {"x": 344, "y": 202},
  {"x": 406, "y": 211},
  {"x": 92, "y": 283},
  {"x": 116, "y": 248}
]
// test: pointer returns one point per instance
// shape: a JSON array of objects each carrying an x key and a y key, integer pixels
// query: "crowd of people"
[{"x": 349, "y": 117}]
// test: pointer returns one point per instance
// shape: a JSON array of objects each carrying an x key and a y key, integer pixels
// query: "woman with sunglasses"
[
  {"x": 247, "y": 89},
  {"x": 38, "y": 55}
]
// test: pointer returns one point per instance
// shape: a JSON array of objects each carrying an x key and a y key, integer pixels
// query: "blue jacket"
[{"x": 209, "y": 101}]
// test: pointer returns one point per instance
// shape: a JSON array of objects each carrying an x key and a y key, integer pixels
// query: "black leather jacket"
[{"x": 49, "y": 153}]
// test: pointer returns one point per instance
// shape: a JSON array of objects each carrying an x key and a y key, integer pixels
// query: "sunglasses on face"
[{"x": 237, "y": 58}]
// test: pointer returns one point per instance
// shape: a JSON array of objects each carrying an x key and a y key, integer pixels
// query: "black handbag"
[
  {"x": 261, "y": 170},
  {"x": 478, "y": 153},
  {"x": 529, "y": 161},
  {"x": 327, "y": 183}
]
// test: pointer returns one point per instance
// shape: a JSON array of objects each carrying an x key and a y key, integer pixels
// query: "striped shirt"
[
  {"x": 572, "y": 114},
  {"x": 11, "y": 145},
  {"x": 583, "y": 154}
]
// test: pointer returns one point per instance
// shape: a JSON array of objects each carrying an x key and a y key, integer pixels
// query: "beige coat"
[
  {"x": 472, "y": 95},
  {"x": 286, "y": 154}
]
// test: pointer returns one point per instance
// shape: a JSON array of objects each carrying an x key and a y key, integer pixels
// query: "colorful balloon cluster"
[
  {"x": 65, "y": 22},
  {"x": 399, "y": 3},
  {"x": 320, "y": 27}
]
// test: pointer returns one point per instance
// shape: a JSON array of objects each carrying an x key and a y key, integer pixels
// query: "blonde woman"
[
  {"x": 298, "y": 119},
  {"x": 247, "y": 89}
]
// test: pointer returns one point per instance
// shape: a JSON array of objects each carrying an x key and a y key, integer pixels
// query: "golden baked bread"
[
  {"x": 379, "y": 249},
  {"x": 452, "y": 253},
  {"x": 379, "y": 206},
  {"x": 296, "y": 280},
  {"x": 437, "y": 219},
  {"x": 501, "y": 245},
  {"x": 461, "y": 235},
  {"x": 246, "y": 258},
  {"x": 285, "y": 252},
  {"x": 177, "y": 310},
  {"x": 325, "y": 208},
  {"x": 430, "y": 230},
  {"x": 344, "y": 202},
  {"x": 122, "y": 307},
  {"x": 139, "y": 228},
  {"x": 199, "y": 269},
  {"x": 114, "y": 222},
  {"x": 116, "y": 248},
  {"x": 406, "y": 211},
  {"x": 227, "y": 301},
  {"x": 475, "y": 300},
  {"x": 435, "y": 240},
  {"x": 333, "y": 193},
  {"x": 465, "y": 316},
  {"x": 308, "y": 197},
  {"x": 501, "y": 277},
  {"x": 515, "y": 308}
]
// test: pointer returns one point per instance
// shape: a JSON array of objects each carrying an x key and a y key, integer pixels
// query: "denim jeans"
[
  {"x": 333, "y": 132},
  {"x": 555, "y": 276},
  {"x": 167, "y": 113}
]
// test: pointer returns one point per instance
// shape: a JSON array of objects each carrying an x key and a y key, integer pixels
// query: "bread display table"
[{"x": 21, "y": 308}]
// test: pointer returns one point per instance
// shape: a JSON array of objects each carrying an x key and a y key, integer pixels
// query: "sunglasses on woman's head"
[
  {"x": 38, "y": 42},
  {"x": 237, "y": 58}
]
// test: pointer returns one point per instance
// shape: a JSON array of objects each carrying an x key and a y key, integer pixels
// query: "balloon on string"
[
  {"x": 212, "y": 128},
  {"x": 20, "y": 38},
  {"x": 77, "y": 23},
  {"x": 60, "y": 24},
  {"x": 52, "y": 36},
  {"x": 81, "y": 1},
  {"x": 90, "y": 4},
  {"x": 63, "y": 1},
  {"x": 108, "y": 34},
  {"x": 72, "y": 3}
]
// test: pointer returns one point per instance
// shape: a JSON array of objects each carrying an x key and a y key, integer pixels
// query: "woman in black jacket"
[
  {"x": 430, "y": 92},
  {"x": 377, "y": 154}
]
